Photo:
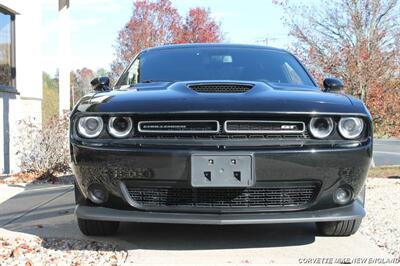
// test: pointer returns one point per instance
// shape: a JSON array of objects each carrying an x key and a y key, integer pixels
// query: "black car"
[{"x": 219, "y": 134}]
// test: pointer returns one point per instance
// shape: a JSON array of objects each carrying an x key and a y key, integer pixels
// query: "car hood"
[{"x": 177, "y": 97}]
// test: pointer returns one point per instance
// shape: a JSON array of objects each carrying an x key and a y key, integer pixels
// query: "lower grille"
[{"x": 282, "y": 197}]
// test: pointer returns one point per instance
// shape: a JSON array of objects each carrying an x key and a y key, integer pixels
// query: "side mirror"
[
  {"x": 332, "y": 85},
  {"x": 101, "y": 84}
]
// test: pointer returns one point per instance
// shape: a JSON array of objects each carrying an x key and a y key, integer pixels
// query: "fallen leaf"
[
  {"x": 25, "y": 246},
  {"x": 16, "y": 252}
]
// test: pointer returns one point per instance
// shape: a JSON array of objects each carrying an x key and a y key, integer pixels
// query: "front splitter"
[{"x": 350, "y": 212}]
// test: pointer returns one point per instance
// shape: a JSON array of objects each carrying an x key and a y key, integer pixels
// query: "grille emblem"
[{"x": 288, "y": 127}]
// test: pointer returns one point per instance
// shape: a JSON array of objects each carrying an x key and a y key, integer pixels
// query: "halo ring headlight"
[
  {"x": 321, "y": 127},
  {"x": 120, "y": 127},
  {"x": 351, "y": 127},
  {"x": 90, "y": 126}
]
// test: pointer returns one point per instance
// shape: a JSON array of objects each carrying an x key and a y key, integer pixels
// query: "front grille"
[
  {"x": 220, "y": 88},
  {"x": 277, "y": 197},
  {"x": 222, "y": 129},
  {"x": 259, "y": 126}
]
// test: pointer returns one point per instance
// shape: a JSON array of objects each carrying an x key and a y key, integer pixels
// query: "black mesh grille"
[
  {"x": 284, "y": 135},
  {"x": 221, "y": 88},
  {"x": 281, "y": 137},
  {"x": 265, "y": 126},
  {"x": 256, "y": 197}
]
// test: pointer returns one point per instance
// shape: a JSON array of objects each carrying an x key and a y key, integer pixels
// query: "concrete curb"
[
  {"x": 386, "y": 141},
  {"x": 9, "y": 191},
  {"x": 8, "y": 234}
]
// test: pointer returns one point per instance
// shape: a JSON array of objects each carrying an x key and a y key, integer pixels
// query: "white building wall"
[
  {"x": 26, "y": 105},
  {"x": 1, "y": 137}
]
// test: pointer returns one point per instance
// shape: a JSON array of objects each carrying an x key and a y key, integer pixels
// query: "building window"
[{"x": 7, "y": 48}]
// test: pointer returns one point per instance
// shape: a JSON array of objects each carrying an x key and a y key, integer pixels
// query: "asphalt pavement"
[{"x": 387, "y": 152}]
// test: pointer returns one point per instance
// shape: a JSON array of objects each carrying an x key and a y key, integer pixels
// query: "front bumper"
[
  {"x": 158, "y": 167},
  {"x": 349, "y": 212}
]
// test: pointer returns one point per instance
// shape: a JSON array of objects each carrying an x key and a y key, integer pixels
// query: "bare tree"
[{"x": 356, "y": 40}]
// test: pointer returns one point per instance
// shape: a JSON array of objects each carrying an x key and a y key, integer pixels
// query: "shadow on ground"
[
  {"x": 48, "y": 212},
  {"x": 205, "y": 237}
]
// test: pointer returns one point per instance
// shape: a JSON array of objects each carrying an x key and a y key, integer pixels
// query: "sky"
[{"x": 95, "y": 25}]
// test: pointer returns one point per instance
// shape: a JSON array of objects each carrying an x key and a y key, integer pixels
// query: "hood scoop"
[{"x": 221, "y": 87}]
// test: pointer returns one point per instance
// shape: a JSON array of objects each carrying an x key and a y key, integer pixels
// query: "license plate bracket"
[{"x": 221, "y": 170}]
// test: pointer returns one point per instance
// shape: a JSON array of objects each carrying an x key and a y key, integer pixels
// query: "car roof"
[{"x": 213, "y": 45}]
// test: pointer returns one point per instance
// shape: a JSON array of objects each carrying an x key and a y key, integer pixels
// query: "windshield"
[{"x": 215, "y": 63}]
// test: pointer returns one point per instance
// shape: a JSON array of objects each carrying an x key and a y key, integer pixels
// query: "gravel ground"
[
  {"x": 382, "y": 223},
  {"x": 23, "y": 249}
]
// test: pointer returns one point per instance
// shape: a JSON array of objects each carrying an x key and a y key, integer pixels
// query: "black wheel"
[
  {"x": 92, "y": 227},
  {"x": 97, "y": 228},
  {"x": 339, "y": 228}
]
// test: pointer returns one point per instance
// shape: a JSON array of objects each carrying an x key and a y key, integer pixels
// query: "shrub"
[{"x": 43, "y": 150}]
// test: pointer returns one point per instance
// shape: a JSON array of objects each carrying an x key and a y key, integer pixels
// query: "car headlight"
[
  {"x": 351, "y": 127},
  {"x": 321, "y": 127},
  {"x": 90, "y": 126},
  {"x": 120, "y": 127}
]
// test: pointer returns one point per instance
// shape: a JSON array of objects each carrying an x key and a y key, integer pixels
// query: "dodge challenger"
[{"x": 219, "y": 134}]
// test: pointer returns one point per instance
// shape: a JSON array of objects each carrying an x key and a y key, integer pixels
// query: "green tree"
[
  {"x": 50, "y": 97},
  {"x": 102, "y": 72}
]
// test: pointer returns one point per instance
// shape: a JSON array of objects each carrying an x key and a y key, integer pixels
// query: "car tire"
[
  {"x": 92, "y": 227},
  {"x": 339, "y": 228},
  {"x": 97, "y": 228}
]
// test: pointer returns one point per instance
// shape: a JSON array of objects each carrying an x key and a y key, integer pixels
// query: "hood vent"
[{"x": 221, "y": 87}]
